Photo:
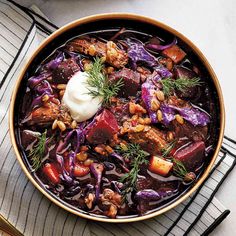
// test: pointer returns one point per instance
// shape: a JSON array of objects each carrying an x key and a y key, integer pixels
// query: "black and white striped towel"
[{"x": 21, "y": 31}]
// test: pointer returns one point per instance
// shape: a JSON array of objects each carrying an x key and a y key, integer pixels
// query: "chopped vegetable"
[
  {"x": 80, "y": 170},
  {"x": 137, "y": 53},
  {"x": 149, "y": 97},
  {"x": 130, "y": 82},
  {"x": 160, "y": 166},
  {"x": 54, "y": 63},
  {"x": 175, "y": 53},
  {"x": 51, "y": 172},
  {"x": 148, "y": 195},
  {"x": 192, "y": 156},
  {"x": 104, "y": 127},
  {"x": 193, "y": 115},
  {"x": 159, "y": 47},
  {"x": 38, "y": 152},
  {"x": 101, "y": 85},
  {"x": 97, "y": 170}
]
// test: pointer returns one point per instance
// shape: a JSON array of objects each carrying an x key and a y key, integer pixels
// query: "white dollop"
[{"x": 77, "y": 99}]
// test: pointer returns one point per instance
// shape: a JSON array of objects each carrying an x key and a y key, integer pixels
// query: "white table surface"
[{"x": 210, "y": 24}]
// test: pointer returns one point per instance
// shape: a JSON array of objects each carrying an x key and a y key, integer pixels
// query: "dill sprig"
[
  {"x": 179, "y": 168},
  {"x": 38, "y": 152},
  {"x": 168, "y": 148},
  {"x": 181, "y": 84},
  {"x": 100, "y": 84},
  {"x": 137, "y": 156}
]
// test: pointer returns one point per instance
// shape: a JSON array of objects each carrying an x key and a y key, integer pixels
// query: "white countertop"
[{"x": 209, "y": 24}]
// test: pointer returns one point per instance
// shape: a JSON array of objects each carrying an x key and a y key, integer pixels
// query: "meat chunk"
[
  {"x": 103, "y": 129},
  {"x": 28, "y": 138},
  {"x": 131, "y": 80},
  {"x": 153, "y": 141},
  {"x": 175, "y": 53},
  {"x": 195, "y": 133},
  {"x": 44, "y": 114},
  {"x": 65, "y": 70},
  {"x": 93, "y": 47}
]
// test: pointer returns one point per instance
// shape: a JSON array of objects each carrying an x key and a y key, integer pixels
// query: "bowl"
[{"x": 102, "y": 22}]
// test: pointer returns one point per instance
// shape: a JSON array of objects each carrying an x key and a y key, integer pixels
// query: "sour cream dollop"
[{"x": 77, "y": 99}]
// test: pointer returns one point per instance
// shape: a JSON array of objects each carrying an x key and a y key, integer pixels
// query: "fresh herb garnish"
[
  {"x": 137, "y": 156},
  {"x": 179, "y": 168},
  {"x": 181, "y": 84},
  {"x": 37, "y": 153},
  {"x": 100, "y": 84},
  {"x": 168, "y": 148}
]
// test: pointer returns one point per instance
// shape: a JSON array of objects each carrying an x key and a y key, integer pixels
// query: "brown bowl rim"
[{"x": 125, "y": 16}]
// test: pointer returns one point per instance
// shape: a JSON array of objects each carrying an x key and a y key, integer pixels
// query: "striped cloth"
[{"x": 21, "y": 30}]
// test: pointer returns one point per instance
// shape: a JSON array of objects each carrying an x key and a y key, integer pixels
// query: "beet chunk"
[
  {"x": 183, "y": 72},
  {"x": 191, "y": 156},
  {"x": 103, "y": 129},
  {"x": 131, "y": 81},
  {"x": 65, "y": 70}
]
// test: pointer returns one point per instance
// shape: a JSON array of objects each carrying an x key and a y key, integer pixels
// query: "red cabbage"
[
  {"x": 121, "y": 160},
  {"x": 37, "y": 102},
  {"x": 65, "y": 175},
  {"x": 148, "y": 195},
  {"x": 35, "y": 80},
  {"x": 43, "y": 87},
  {"x": 158, "y": 47},
  {"x": 138, "y": 53},
  {"x": 168, "y": 114},
  {"x": 71, "y": 162},
  {"x": 72, "y": 191},
  {"x": 193, "y": 115},
  {"x": 54, "y": 63},
  {"x": 162, "y": 71},
  {"x": 148, "y": 95},
  {"x": 117, "y": 186},
  {"x": 97, "y": 169},
  {"x": 152, "y": 195},
  {"x": 73, "y": 139}
]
